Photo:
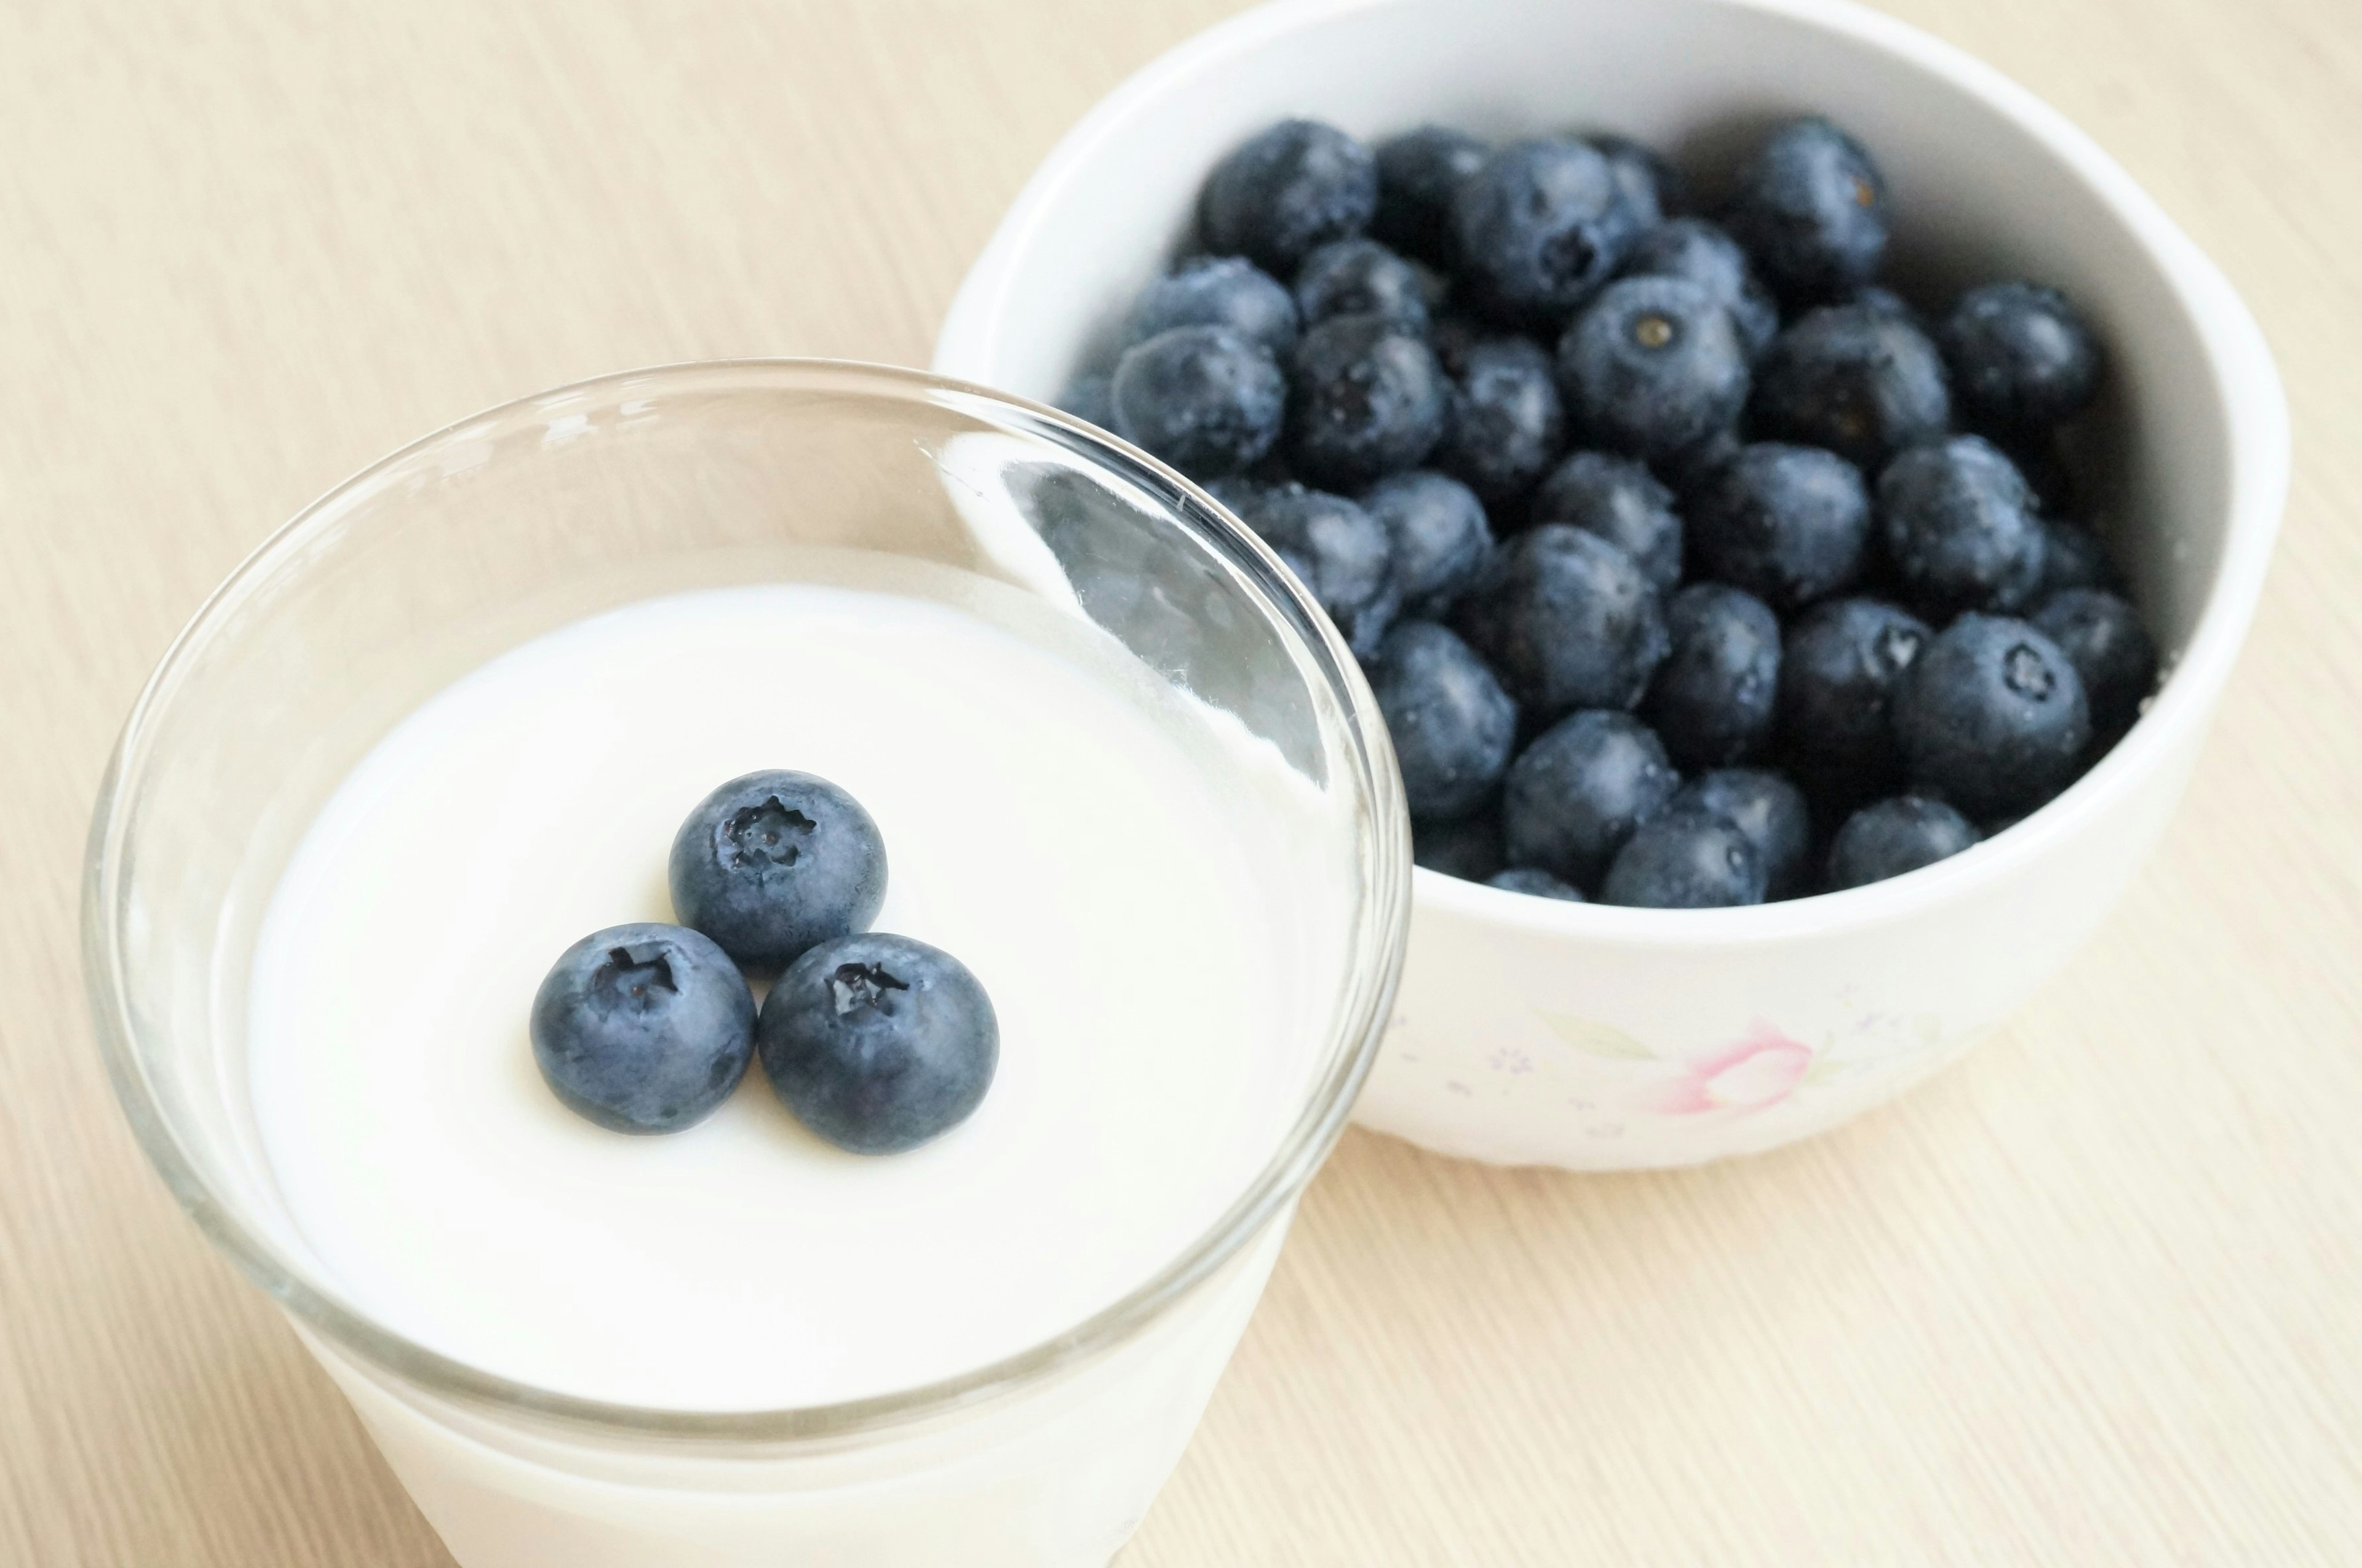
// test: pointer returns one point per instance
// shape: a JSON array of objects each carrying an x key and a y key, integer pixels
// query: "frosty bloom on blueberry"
[
  {"x": 1686, "y": 858},
  {"x": 879, "y": 1044},
  {"x": 1203, "y": 398},
  {"x": 1992, "y": 716},
  {"x": 1659, "y": 484},
  {"x": 643, "y": 1028},
  {"x": 1770, "y": 811},
  {"x": 1437, "y": 534},
  {"x": 1652, "y": 366},
  {"x": 1577, "y": 793},
  {"x": 2100, "y": 634},
  {"x": 1359, "y": 277},
  {"x": 1856, "y": 379},
  {"x": 1298, "y": 185},
  {"x": 1338, "y": 551},
  {"x": 1538, "y": 228},
  {"x": 1959, "y": 526},
  {"x": 1650, "y": 188},
  {"x": 1218, "y": 291},
  {"x": 876, "y": 1042},
  {"x": 2021, "y": 355},
  {"x": 1505, "y": 422},
  {"x": 1454, "y": 727},
  {"x": 1787, "y": 524},
  {"x": 1365, "y": 399},
  {"x": 1811, "y": 209},
  {"x": 1837, "y": 674},
  {"x": 1619, "y": 500},
  {"x": 1711, "y": 701},
  {"x": 1568, "y": 619},
  {"x": 773, "y": 862},
  {"x": 1894, "y": 837}
]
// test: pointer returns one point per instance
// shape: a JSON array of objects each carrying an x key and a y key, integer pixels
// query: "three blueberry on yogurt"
[
  {"x": 1690, "y": 565},
  {"x": 876, "y": 1043}
]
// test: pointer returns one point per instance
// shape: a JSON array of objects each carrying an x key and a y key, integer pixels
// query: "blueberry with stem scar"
[
  {"x": 773, "y": 862},
  {"x": 879, "y": 1042},
  {"x": 1298, "y": 185},
  {"x": 643, "y": 1028},
  {"x": 1992, "y": 716}
]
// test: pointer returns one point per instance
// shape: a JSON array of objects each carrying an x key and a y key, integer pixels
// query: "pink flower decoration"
[{"x": 1762, "y": 1069}]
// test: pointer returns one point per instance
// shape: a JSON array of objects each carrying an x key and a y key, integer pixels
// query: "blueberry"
[
  {"x": 772, "y": 862},
  {"x": 1538, "y": 228},
  {"x": 1692, "y": 469},
  {"x": 1367, "y": 400},
  {"x": 879, "y": 1044},
  {"x": 1961, "y": 527},
  {"x": 1811, "y": 209},
  {"x": 1705, "y": 254},
  {"x": 1790, "y": 524},
  {"x": 1359, "y": 277},
  {"x": 2074, "y": 558},
  {"x": 1437, "y": 534},
  {"x": 1418, "y": 171},
  {"x": 1711, "y": 701},
  {"x": 2020, "y": 356},
  {"x": 1895, "y": 835},
  {"x": 1217, "y": 291},
  {"x": 1202, "y": 398},
  {"x": 1567, "y": 619},
  {"x": 1298, "y": 185},
  {"x": 1467, "y": 847},
  {"x": 1838, "y": 669},
  {"x": 1686, "y": 859},
  {"x": 643, "y": 1028},
  {"x": 1856, "y": 379},
  {"x": 1769, "y": 809},
  {"x": 1534, "y": 883},
  {"x": 1649, "y": 186},
  {"x": 2102, "y": 635},
  {"x": 1506, "y": 422},
  {"x": 1621, "y": 502},
  {"x": 1452, "y": 725},
  {"x": 1338, "y": 551},
  {"x": 1090, "y": 396},
  {"x": 1992, "y": 716},
  {"x": 1243, "y": 493},
  {"x": 1884, "y": 301},
  {"x": 1652, "y": 365},
  {"x": 1574, "y": 796}
]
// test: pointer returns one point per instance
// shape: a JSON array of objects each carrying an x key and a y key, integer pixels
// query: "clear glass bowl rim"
[{"x": 1383, "y": 921}]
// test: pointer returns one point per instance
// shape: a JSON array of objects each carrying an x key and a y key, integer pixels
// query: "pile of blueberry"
[
  {"x": 876, "y": 1043},
  {"x": 1690, "y": 565}
]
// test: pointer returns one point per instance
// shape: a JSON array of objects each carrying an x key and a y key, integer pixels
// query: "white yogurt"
[{"x": 1067, "y": 825}]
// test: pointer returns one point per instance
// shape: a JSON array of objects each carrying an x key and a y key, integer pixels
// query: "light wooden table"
[{"x": 2091, "y": 1297}]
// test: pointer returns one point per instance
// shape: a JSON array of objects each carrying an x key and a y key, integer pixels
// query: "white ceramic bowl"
[{"x": 1533, "y": 1031}]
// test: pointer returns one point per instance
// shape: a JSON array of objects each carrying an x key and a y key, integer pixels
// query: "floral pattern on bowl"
[{"x": 1612, "y": 1100}]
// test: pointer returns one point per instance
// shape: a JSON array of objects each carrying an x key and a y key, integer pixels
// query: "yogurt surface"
[{"x": 1146, "y": 891}]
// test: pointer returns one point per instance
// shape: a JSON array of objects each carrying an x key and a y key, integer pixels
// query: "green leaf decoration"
[{"x": 1596, "y": 1039}]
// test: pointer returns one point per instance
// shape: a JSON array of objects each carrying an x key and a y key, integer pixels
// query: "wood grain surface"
[{"x": 2092, "y": 1297}]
